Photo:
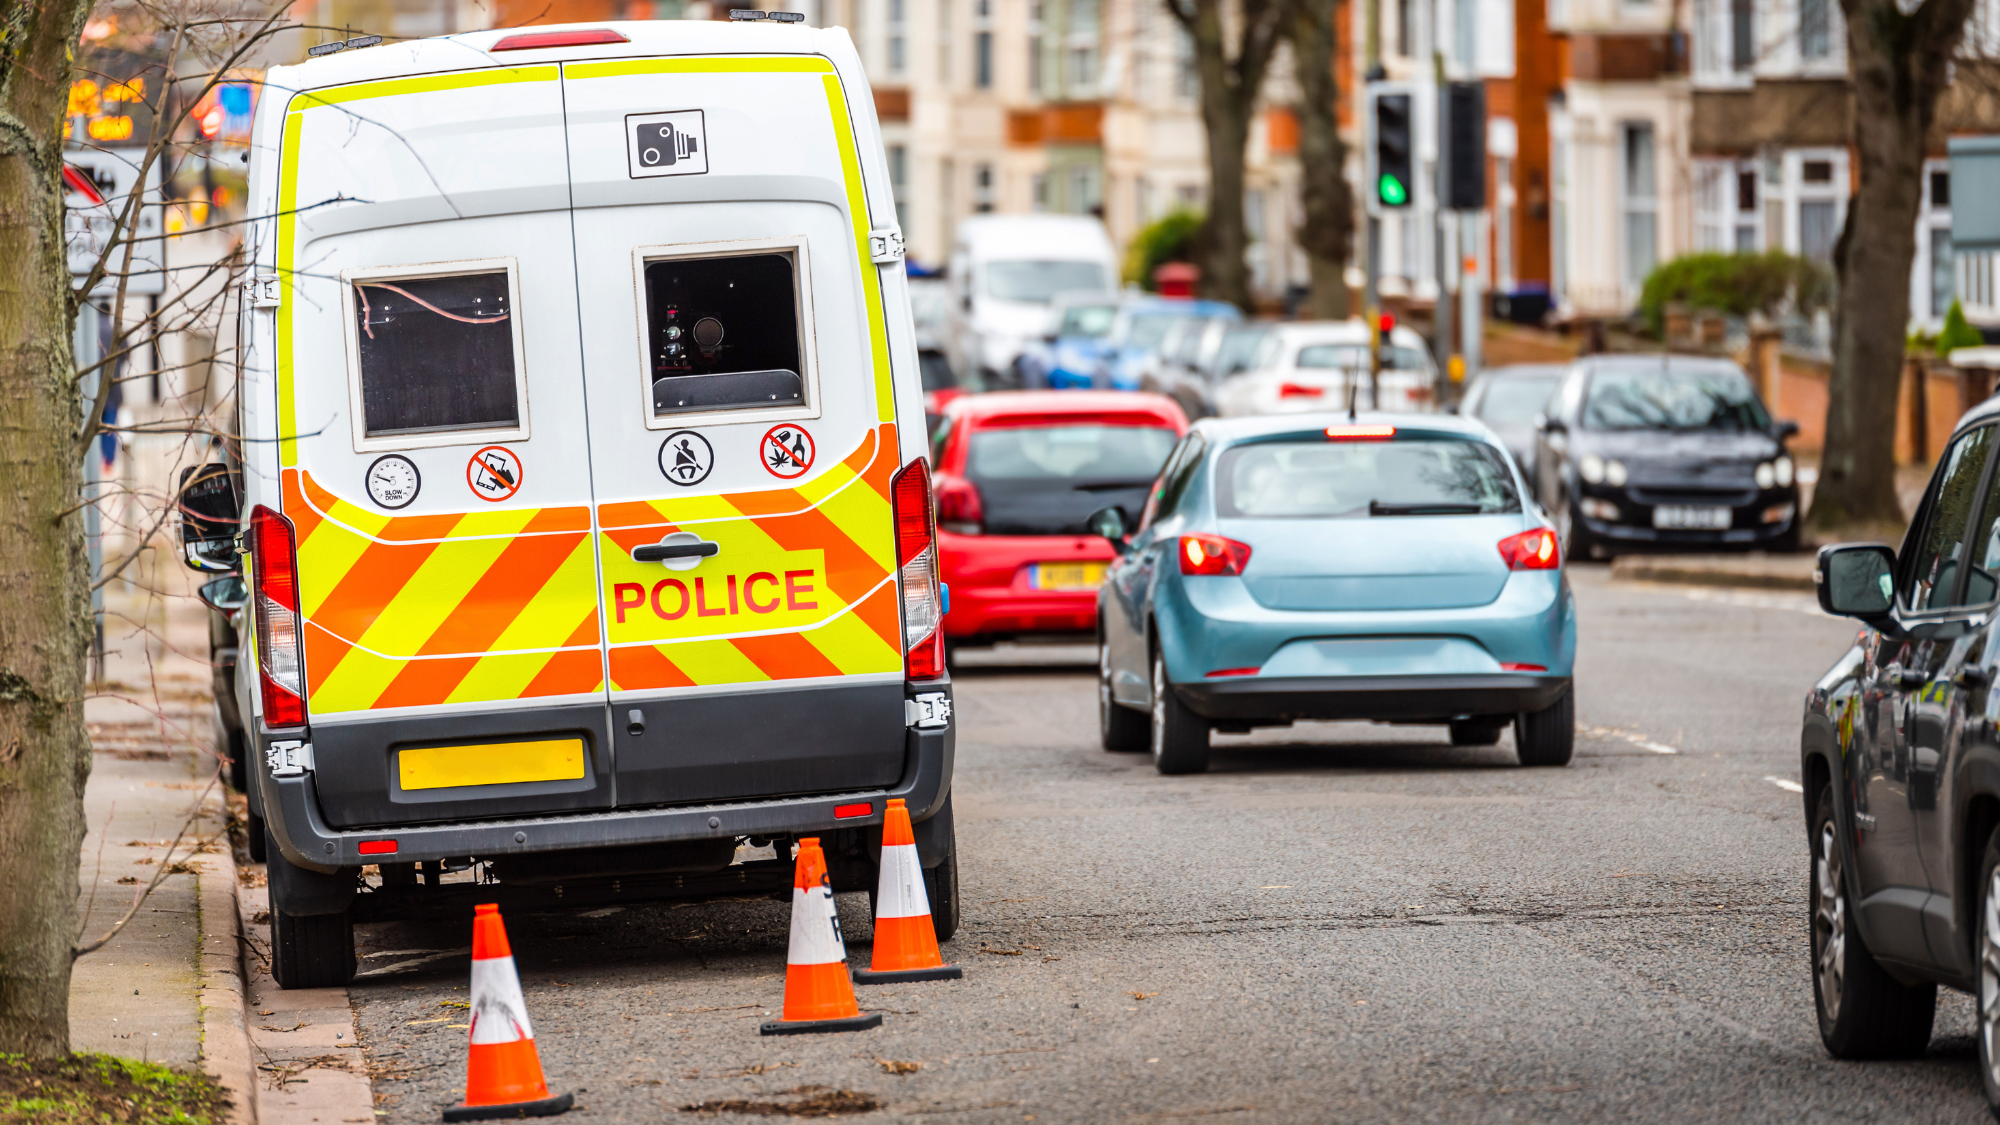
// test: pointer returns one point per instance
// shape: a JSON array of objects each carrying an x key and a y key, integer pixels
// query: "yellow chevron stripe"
[
  {"x": 499, "y": 677},
  {"x": 356, "y": 684},
  {"x": 852, "y": 646},
  {"x": 866, "y": 518},
  {"x": 559, "y": 607},
  {"x": 430, "y": 596},
  {"x": 324, "y": 558},
  {"x": 715, "y": 662}
]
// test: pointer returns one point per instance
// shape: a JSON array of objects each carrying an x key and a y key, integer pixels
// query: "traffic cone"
[
  {"x": 504, "y": 1075},
  {"x": 818, "y": 995},
  {"x": 906, "y": 945}
]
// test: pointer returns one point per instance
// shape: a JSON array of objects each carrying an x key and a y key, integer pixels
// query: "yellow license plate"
[
  {"x": 1068, "y": 576},
  {"x": 490, "y": 763}
]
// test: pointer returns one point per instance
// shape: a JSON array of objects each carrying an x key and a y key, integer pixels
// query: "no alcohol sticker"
[
  {"x": 787, "y": 451},
  {"x": 494, "y": 473},
  {"x": 686, "y": 458}
]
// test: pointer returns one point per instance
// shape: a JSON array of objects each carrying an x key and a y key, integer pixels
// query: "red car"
[{"x": 1017, "y": 476}]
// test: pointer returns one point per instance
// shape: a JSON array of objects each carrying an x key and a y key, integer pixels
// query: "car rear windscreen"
[
  {"x": 1305, "y": 479},
  {"x": 1354, "y": 357},
  {"x": 1516, "y": 401},
  {"x": 1039, "y": 282},
  {"x": 1047, "y": 480}
]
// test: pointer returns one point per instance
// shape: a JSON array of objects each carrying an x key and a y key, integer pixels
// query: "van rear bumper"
[{"x": 291, "y": 807}]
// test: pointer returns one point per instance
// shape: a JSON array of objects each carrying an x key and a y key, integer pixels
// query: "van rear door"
[
  {"x": 433, "y": 449},
  {"x": 737, "y": 374}
]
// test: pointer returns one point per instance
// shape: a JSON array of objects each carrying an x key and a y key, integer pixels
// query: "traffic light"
[
  {"x": 1395, "y": 182},
  {"x": 1462, "y": 177}
]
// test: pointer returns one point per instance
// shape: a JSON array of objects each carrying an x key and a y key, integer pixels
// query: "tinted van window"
[
  {"x": 436, "y": 353},
  {"x": 1291, "y": 480},
  {"x": 1046, "y": 480},
  {"x": 723, "y": 332}
]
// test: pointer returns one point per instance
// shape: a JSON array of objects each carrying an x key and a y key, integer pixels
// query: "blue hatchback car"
[{"x": 1387, "y": 567}]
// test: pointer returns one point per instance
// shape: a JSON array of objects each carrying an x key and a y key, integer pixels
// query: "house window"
[
  {"x": 1817, "y": 200},
  {"x": 1503, "y": 221},
  {"x": 1406, "y": 36},
  {"x": 897, "y": 60},
  {"x": 899, "y": 182},
  {"x": 1742, "y": 35},
  {"x": 1746, "y": 210},
  {"x": 944, "y": 41},
  {"x": 982, "y": 59},
  {"x": 1187, "y": 79},
  {"x": 1815, "y": 29},
  {"x": 1083, "y": 45},
  {"x": 1035, "y": 49},
  {"x": 1038, "y": 186},
  {"x": 1465, "y": 28},
  {"x": 435, "y": 351},
  {"x": 1940, "y": 189},
  {"x": 1943, "y": 278},
  {"x": 1641, "y": 204},
  {"x": 982, "y": 188}
]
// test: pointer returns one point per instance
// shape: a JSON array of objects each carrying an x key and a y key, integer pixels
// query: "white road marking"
[
  {"x": 1631, "y": 736},
  {"x": 1787, "y": 786},
  {"x": 412, "y": 963}
]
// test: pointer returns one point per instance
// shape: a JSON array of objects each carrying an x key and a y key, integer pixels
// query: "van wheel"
[
  {"x": 1863, "y": 1012},
  {"x": 311, "y": 950},
  {"x": 1121, "y": 729},
  {"x": 941, "y": 887},
  {"x": 1180, "y": 737},
  {"x": 239, "y": 762},
  {"x": 255, "y": 833},
  {"x": 1475, "y": 732},
  {"x": 1547, "y": 737}
]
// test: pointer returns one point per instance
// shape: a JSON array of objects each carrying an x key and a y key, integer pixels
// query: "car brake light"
[
  {"x": 1360, "y": 433},
  {"x": 916, "y": 555},
  {"x": 958, "y": 508},
  {"x": 1299, "y": 390},
  {"x": 280, "y": 661},
  {"x": 538, "y": 39},
  {"x": 1212, "y": 554},
  {"x": 1532, "y": 550},
  {"x": 1505, "y": 667},
  {"x": 1234, "y": 672}
]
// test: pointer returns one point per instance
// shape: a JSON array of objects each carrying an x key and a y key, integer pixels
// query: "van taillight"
[
  {"x": 534, "y": 40},
  {"x": 958, "y": 507},
  {"x": 280, "y": 662},
  {"x": 916, "y": 554}
]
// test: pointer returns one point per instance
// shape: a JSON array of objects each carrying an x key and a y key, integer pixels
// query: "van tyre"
[
  {"x": 941, "y": 887},
  {"x": 1179, "y": 736},
  {"x": 1121, "y": 729},
  {"x": 311, "y": 950},
  {"x": 1547, "y": 737},
  {"x": 1476, "y": 732},
  {"x": 1863, "y": 1012}
]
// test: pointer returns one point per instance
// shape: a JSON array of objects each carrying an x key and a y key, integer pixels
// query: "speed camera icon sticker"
[{"x": 666, "y": 144}]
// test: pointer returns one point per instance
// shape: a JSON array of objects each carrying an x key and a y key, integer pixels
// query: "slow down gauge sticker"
[
  {"x": 393, "y": 481},
  {"x": 494, "y": 473},
  {"x": 787, "y": 451}
]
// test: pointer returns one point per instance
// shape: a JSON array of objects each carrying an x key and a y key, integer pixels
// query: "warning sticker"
[
  {"x": 686, "y": 457},
  {"x": 494, "y": 473},
  {"x": 787, "y": 451}
]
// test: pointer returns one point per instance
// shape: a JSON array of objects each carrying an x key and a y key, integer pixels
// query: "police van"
[{"x": 586, "y": 537}]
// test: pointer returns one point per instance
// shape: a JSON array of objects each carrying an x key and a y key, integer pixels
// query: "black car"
[
  {"x": 1508, "y": 400},
  {"x": 1652, "y": 451},
  {"x": 1901, "y": 767}
]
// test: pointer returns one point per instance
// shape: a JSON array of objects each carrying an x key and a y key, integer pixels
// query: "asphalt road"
[{"x": 1337, "y": 922}]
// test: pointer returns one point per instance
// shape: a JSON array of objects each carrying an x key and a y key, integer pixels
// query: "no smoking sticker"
[
  {"x": 494, "y": 473},
  {"x": 787, "y": 451}
]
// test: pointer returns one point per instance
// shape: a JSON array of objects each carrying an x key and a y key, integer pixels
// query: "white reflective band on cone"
[
  {"x": 901, "y": 892},
  {"x": 499, "y": 1014},
  {"x": 815, "y": 928}
]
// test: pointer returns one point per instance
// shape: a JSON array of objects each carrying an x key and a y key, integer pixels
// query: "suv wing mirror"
[
  {"x": 1784, "y": 428},
  {"x": 210, "y": 512},
  {"x": 1110, "y": 523},
  {"x": 1857, "y": 580}
]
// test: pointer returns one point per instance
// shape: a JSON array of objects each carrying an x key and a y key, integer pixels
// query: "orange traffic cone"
[
  {"x": 504, "y": 1076},
  {"x": 906, "y": 945},
  {"x": 818, "y": 995}
]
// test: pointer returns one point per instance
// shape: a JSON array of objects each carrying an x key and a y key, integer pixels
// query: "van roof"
[{"x": 647, "y": 38}]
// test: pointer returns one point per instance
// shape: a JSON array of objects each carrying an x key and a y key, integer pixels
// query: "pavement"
[
  {"x": 1339, "y": 921},
  {"x": 1754, "y": 570}
]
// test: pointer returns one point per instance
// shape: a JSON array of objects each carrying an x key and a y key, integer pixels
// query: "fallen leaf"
[
  {"x": 895, "y": 1067},
  {"x": 1142, "y": 995},
  {"x": 1001, "y": 952}
]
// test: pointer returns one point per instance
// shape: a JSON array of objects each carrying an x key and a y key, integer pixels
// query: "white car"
[{"x": 1323, "y": 365}]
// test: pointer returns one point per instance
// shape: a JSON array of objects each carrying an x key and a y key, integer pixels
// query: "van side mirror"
[
  {"x": 210, "y": 512},
  {"x": 224, "y": 595},
  {"x": 1110, "y": 523},
  {"x": 1856, "y": 580}
]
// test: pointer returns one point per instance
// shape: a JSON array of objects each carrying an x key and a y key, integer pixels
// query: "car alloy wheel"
[
  {"x": 1989, "y": 984},
  {"x": 1830, "y": 929},
  {"x": 1159, "y": 724}
]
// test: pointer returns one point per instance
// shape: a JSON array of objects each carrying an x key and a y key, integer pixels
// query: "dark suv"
[{"x": 1902, "y": 771}]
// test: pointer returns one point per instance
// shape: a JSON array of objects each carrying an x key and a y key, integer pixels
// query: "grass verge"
[{"x": 104, "y": 1090}]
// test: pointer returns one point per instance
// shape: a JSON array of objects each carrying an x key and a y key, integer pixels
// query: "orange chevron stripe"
[
  {"x": 645, "y": 665},
  {"x": 401, "y": 528},
  {"x": 630, "y": 537},
  {"x": 627, "y": 513},
  {"x": 424, "y": 682},
  {"x": 786, "y": 656},
  {"x": 587, "y": 633},
  {"x": 881, "y": 613},
  {"x": 883, "y": 471},
  {"x": 569, "y": 673},
  {"x": 370, "y": 585},
  {"x": 303, "y": 518},
  {"x": 520, "y": 572},
  {"x": 323, "y": 655},
  {"x": 849, "y": 570}
]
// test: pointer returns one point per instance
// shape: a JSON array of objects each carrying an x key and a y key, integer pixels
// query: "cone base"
[
  {"x": 904, "y": 976},
  {"x": 807, "y": 1027},
  {"x": 546, "y": 1107}
]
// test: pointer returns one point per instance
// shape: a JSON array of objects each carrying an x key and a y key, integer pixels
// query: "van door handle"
[{"x": 660, "y": 552}]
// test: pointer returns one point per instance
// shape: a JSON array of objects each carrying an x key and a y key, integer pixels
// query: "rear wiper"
[
  {"x": 1108, "y": 486},
  {"x": 1378, "y": 508}
]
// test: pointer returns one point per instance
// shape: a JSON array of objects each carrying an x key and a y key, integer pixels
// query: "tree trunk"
[
  {"x": 1223, "y": 238},
  {"x": 44, "y": 580},
  {"x": 1327, "y": 235},
  {"x": 1898, "y": 65}
]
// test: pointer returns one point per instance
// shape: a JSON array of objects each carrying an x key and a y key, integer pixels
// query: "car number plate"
[
  {"x": 1066, "y": 576},
  {"x": 1690, "y": 517},
  {"x": 493, "y": 763}
]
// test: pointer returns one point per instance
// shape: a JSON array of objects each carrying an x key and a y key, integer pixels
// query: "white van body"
[
  {"x": 1005, "y": 271},
  {"x": 519, "y": 314},
  {"x": 1308, "y": 366}
]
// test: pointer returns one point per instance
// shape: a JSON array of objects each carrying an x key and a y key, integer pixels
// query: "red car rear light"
[
  {"x": 1505, "y": 667},
  {"x": 1212, "y": 554},
  {"x": 536, "y": 40},
  {"x": 1532, "y": 550},
  {"x": 916, "y": 555},
  {"x": 1299, "y": 390},
  {"x": 1234, "y": 672},
  {"x": 1360, "y": 433},
  {"x": 958, "y": 508},
  {"x": 280, "y": 649}
]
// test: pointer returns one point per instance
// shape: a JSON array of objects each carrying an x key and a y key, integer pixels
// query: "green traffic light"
[{"x": 1392, "y": 191}]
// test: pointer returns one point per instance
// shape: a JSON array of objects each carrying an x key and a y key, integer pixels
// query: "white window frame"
[
  {"x": 643, "y": 256},
  {"x": 1797, "y": 192},
  {"x": 431, "y": 439}
]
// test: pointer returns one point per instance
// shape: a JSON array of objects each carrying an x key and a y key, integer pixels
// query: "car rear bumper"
[
  {"x": 1410, "y": 698},
  {"x": 990, "y": 590}
]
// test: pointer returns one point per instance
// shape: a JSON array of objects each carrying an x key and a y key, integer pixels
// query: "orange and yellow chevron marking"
[
  {"x": 413, "y": 611},
  {"x": 802, "y": 587}
]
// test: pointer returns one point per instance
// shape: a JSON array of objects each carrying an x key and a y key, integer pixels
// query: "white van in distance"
[{"x": 1005, "y": 271}]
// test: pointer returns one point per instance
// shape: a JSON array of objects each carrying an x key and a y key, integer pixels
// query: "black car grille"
[{"x": 1694, "y": 497}]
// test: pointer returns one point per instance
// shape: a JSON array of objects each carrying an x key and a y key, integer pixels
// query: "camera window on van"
[
  {"x": 723, "y": 332},
  {"x": 437, "y": 353}
]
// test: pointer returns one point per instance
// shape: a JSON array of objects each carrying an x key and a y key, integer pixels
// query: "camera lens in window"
[{"x": 708, "y": 332}]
